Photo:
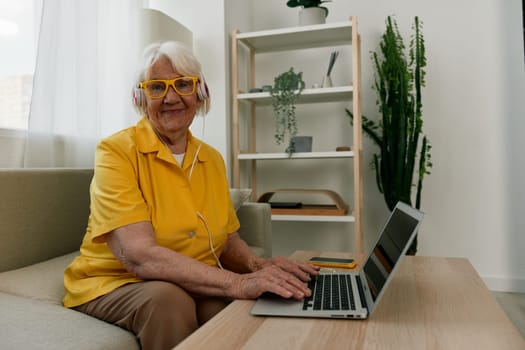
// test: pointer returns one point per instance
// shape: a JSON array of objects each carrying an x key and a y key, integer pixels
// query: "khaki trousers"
[{"x": 160, "y": 314}]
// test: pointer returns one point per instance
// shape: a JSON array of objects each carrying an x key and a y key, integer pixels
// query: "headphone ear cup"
[
  {"x": 139, "y": 99},
  {"x": 202, "y": 89}
]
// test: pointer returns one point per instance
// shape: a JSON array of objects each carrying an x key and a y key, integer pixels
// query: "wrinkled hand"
[
  {"x": 299, "y": 270},
  {"x": 277, "y": 275}
]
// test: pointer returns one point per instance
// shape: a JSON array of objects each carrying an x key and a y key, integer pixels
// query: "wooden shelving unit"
[{"x": 298, "y": 38}]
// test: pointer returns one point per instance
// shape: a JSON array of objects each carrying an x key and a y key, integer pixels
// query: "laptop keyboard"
[{"x": 330, "y": 292}]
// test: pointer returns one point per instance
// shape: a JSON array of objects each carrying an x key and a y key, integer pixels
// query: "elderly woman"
[{"x": 161, "y": 254}]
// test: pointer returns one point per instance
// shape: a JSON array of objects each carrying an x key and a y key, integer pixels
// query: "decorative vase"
[
  {"x": 312, "y": 15},
  {"x": 327, "y": 81},
  {"x": 302, "y": 143}
]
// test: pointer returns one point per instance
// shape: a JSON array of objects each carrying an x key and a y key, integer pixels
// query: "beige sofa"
[{"x": 43, "y": 214}]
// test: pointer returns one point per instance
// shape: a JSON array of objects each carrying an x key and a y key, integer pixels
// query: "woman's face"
[{"x": 173, "y": 113}]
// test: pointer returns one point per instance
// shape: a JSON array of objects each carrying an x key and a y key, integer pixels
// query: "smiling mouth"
[{"x": 172, "y": 111}]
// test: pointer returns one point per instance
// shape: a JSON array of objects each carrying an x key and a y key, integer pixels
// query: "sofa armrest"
[{"x": 256, "y": 227}]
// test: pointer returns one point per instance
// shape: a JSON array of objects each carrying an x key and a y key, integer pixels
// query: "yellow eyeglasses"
[{"x": 183, "y": 86}]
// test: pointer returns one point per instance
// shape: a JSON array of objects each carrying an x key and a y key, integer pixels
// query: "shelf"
[
  {"x": 304, "y": 37},
  {"x": 298, "y": 155},
  {"x": 324, "y": 218},
  {"x": 332, "y": 94}
]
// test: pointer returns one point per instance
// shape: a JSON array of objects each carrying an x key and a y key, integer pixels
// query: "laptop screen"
[{"x": 387, "y": 252}]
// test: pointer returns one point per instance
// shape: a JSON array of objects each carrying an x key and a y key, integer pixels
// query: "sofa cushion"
[
  {"x": 43, "y": 281},
  {"x": 32, "y": 324}
]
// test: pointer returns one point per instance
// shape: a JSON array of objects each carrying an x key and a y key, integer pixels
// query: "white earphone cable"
[
  {"x": 212, "y": 248},
  {"x": 201, "y": 217},
  {"x": 194, "y": 161},
  {"x": 198, "y": 148}
]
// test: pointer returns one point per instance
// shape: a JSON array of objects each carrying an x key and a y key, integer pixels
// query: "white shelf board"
[
  {"x": 325, "y": 218},
  {"x": 297, "y": 155},
  {"x": 303, "y": 37},
  {"x": 332, "y": 94}
]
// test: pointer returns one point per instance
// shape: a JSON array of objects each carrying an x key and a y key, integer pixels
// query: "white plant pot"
[{"x": 312, "y": 15}]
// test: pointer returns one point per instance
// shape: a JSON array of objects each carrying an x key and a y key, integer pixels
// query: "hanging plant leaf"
[{"x": 287, "y": 87}]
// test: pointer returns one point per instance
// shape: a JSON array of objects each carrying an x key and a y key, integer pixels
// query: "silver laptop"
[{"x": 353, "y": 295}]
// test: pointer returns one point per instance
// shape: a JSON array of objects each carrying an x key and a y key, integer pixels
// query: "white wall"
[
  {"x": 473, "y": 113},
  {"x": 163, "y": 27}
]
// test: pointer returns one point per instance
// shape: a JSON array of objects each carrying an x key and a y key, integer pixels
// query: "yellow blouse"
[{"x": 137, "y": 179}]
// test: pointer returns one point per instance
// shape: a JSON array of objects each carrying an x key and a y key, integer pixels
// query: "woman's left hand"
[{"x": 300, "y": 270}]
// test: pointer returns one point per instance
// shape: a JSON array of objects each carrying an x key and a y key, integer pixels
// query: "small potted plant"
[
  {"x": 312, "y": 12},
  {"x": 286, "y": 89}
]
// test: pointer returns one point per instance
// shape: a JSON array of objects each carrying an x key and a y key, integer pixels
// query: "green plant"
[
  {"x": 285, "y": 90},
  {"x": 308, "y": 3},
  {"x": 398, "y": 83}
]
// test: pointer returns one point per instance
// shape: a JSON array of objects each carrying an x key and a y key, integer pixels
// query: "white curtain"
[{"x": 88, "y": 53}]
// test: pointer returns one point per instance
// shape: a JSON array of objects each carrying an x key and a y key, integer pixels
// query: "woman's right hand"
[{"x": 269, "y": 279}]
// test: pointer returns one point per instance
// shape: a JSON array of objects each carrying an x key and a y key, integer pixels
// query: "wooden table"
[{"x": 432, "y": 303}]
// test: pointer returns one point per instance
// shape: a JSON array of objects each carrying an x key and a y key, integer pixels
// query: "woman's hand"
[
  {"x": 300, "y": 270},
  {"x": 256, "y": 275},
  {"x": 269, "y": 279},
  {"x": 280, "y": 276}
]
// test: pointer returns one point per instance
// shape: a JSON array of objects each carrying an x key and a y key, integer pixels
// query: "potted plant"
[
  {"x": 285, "y": 90},
  {"x": 398, "y": 83},
  {"x": 312, "y": 12}
]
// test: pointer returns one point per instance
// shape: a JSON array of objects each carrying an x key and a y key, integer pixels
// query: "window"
[{"x": 19, "y": 26}]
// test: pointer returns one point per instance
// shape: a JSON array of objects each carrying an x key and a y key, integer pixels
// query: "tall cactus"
[{"x": 398, "y": 83}]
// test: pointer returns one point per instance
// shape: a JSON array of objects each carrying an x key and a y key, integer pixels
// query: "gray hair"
[{"x": 183, "y": 61}]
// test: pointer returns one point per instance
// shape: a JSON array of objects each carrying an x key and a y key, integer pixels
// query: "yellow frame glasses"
[{"x": 158, "y": 88}]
